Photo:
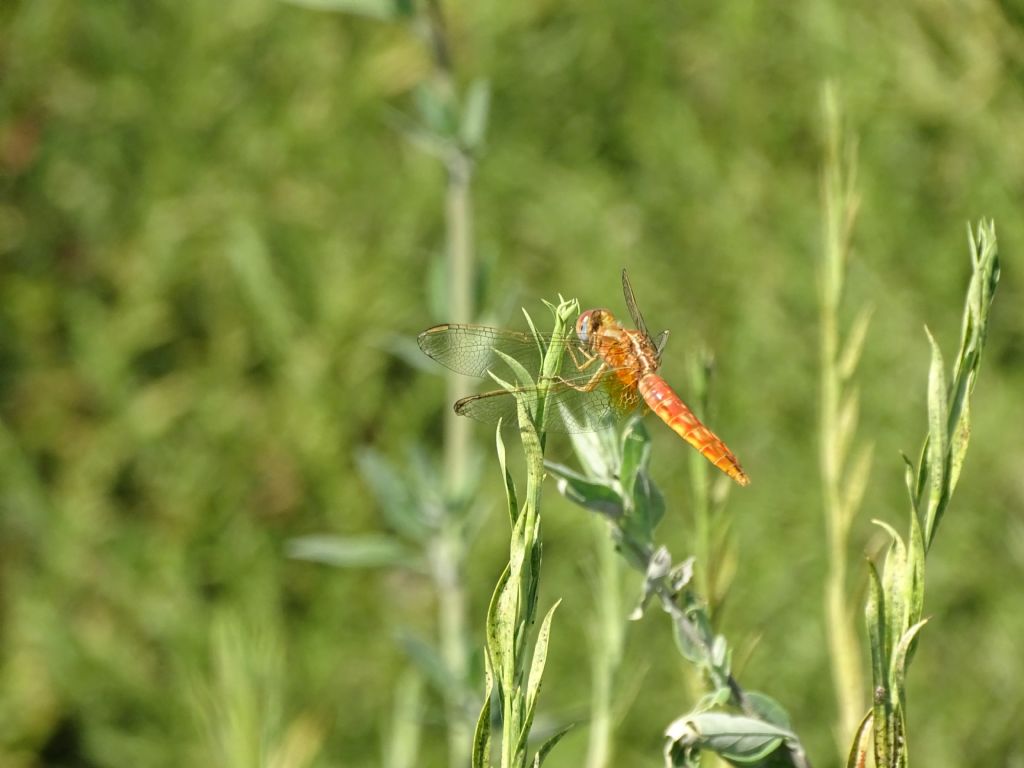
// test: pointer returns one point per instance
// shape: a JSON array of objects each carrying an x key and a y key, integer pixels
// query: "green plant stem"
[
  {"x": 840, "y": 211},
  {"x": 451, "y": 594},
  {"x": 641, "y": 556},
  {"x": 450, "y": 551},
  {"x": 706, "y": 571},
  {"x": 448, "y": 563},
  {"x": 510, "y": 617},
  {"x": 606, "y": 652},
  {"x": 529, "y": 548},
  {"x": 458, "y": 223}
]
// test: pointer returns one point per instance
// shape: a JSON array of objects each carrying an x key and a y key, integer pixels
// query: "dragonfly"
[{"x": 608, "y": 372}]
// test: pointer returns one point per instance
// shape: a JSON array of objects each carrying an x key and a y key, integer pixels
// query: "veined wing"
[
  {"x": 473, "y": 349},
  {"x": 634, "y": 310},
  {"x": 575, "y": 404}
]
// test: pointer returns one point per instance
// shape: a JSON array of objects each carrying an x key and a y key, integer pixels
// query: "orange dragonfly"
[{"x": 612, "y": 371}]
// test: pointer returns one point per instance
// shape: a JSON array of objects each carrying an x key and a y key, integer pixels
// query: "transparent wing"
[
  {"x": 473, "y": 349},
  {"x": 634, "y": 310},
  {"x": 570, "y": 407}
]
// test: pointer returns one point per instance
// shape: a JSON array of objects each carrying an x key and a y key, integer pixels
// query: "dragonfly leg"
[
  {"x": 584, "y": 360},
  {"x": 591, "y": 382}
]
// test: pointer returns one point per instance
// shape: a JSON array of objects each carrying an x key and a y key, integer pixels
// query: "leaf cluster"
[
  {"x": 895, "y": 605},
  {"x": 741, "y": 727}
]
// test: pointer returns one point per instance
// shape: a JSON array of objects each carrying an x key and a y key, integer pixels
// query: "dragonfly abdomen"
[{"x": 661, "y": 399}]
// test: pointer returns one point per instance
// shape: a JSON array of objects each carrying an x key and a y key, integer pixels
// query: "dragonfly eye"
[{"x": 583, "y": 327}]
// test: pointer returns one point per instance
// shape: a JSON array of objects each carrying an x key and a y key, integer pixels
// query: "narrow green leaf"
[
  {"x": 435, "y": 110},
  {"x": 938, "y": 436},
  {"x": 898, "y": 673},
  {"x": 599, "y": 452},
  {"x": 393, "y": 495},
  {"x": 648, "y": 504},
  {"x": 875, "y": 611},
  {"x": 910, "y": 479},
  {"x": 636, "y": 454},
  {"x": 501, "y": 628},
  {"x": 521, "y": 374},
  {"x": 874, "y": 615},
  {"x": 736, "y": 738},
  {"x": 895, "y": 584},
  {"x": 429, "y": 662},
  {"x": 376, "y": 9},
  {"x": 916, "y": 550},
  {"x": 367, "y": 551},
  {"x": 536, "y": 335},
  {"x": 846, "y": 424},
  {"x": 923, "y": 473},
  {"x": 768, "y": 709},
  {"x": 659, "y": 565},
  {"x": 481, "y": 752},
  {"x": 540, "y": 657},
  {"x": 958, "y": 447},
  {"x": 854, "y": 346},
  {"x": 859, "y": 749},
  {"x": 510, "y": 485},
  {"x": 719, "y": 697},
  {"x": 474, "y": 114},
  {"x": 549, "y": 744},
  {"x": 857, "y": 482},
  {"x": 588, "y": 494}
]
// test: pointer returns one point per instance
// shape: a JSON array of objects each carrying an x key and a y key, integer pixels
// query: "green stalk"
[
  {"x": 838, "y": 423},
  {"x": 606, "y": 651},
  {"x": 451, "y": 593},
  {"x": 700, "y": 373},
  {"x": 513, "y": 608},
  {"x": 451, "y": 546}
]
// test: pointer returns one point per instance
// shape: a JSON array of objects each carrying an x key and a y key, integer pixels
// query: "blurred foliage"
[{"x": 209, "y": 230}]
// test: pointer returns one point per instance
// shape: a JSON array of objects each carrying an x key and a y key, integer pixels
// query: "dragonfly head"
[{"x": 589, "y": 324}]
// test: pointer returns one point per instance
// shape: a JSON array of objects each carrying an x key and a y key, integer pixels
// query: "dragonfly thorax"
[{"x": 619, "y": 347}]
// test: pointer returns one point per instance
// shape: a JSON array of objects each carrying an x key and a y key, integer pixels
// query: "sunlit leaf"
[
  {"x": 658, "y": 567},
  {"x": 480, "y": 754},
  {"x": 958, "y": 445},
  {"x": 857, "y": 482},
  {"x": 549, "y": 744},
  {"x": 509, "y": 483},
  {"x": 586, "y": 493},
  {"x": 400, "y": 509},
  {"x": 938, "y": 436},
  {"x": 636, "y": 453},
  {"x": 501, "y": 628},
  {"x": 874, "y": 614},
  {"x": 600, "y": 453},
  {"x": 474, "y": 113},
  {"x": 768, "y": 709},
  {"x": 897, "y": 677},
  {"x": 540, "y": 656},
  {"x": 522, "y": 375},
  {"x": 851, "y": 353},
  {"x": 377, "y": 9},
  {"x": 895, "y": 584},
  {"x": 861, "y": 746},
  {"x": 846, "y": 424},
  {"x": 435, "y": 110},
  {"x": 428, "y": 661},
  {"x": 736, "y": 738},
  {"x": 367, "y": 551}
]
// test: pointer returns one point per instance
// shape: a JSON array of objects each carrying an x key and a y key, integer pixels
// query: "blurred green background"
[{"x": 210, "y": 232}]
